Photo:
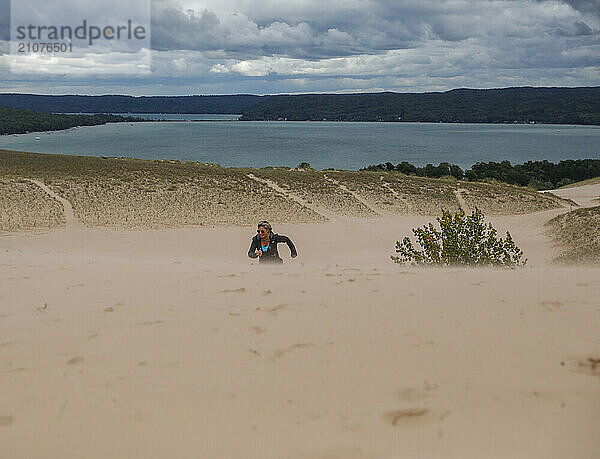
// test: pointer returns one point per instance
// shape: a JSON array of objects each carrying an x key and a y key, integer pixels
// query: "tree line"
[
  {"x": 16, "y": 121},
  {"x": 540, "y": 175},
  {"x": 510, "y": 105},
  {"x": 507, "y": 105}
]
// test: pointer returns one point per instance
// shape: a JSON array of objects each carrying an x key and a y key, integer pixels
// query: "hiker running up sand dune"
[{"x": 264, "y": 244}]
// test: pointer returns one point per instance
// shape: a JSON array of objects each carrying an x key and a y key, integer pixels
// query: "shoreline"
[{"x": 434, "y": 123}]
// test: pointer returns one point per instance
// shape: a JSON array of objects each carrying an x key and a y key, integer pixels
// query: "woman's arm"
[
  {"x": 290, "y": 244},
  {"x": 253, "y": 247}
]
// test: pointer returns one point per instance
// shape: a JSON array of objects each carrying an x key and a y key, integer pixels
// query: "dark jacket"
[{"x": 271, "y": 255}]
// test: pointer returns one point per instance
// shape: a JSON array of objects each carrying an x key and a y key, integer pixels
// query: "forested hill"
[
  {"x": 17, "y": 121},
  {"x": 522, "y": 105},
  {"x": 236, "y": 104},
  {"x": 541, "y": 105}
]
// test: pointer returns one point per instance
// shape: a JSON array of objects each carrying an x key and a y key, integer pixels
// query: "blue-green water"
[{"x": 322, "y": 144}]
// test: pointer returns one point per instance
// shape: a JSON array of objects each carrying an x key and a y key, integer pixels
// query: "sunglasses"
[{"x": 261, "y": 231}]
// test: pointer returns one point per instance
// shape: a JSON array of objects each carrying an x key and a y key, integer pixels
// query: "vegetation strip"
[
  {"x": 505, "y": 105},
  {"x": 18, "y": 121},
  {"x": 539, "y": 175}
]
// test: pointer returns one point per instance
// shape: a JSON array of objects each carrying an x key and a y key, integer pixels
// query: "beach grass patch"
[{"x": 460, "y": 240}]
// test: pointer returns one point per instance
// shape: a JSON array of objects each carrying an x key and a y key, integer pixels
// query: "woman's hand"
[{"x": 258, "y": 253}]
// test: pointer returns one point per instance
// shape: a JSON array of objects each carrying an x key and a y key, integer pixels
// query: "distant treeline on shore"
[
  {"x": 540, "y": 175},
  {"x": 508, "y": 105},
  {"x": 17, "y": 121}
]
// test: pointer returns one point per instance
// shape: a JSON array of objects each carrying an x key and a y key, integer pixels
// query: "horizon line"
[{"x": 300, "y": 93}]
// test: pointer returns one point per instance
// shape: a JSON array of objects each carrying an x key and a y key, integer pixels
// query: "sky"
[{"x": 344, "y": 46}]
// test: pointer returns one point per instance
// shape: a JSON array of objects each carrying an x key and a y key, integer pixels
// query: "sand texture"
[
  {"x": 24, "y": 206},
  {"x": 170, "y": 342},
  {"x": 577, "y": 233}
]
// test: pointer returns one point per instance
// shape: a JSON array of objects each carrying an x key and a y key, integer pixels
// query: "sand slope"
[
  {"x": 142, "y": 194},
  {"x": 173, "y": 343}
]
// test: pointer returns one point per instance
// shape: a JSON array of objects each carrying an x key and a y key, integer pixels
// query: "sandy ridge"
[
  {"x": 355, "y": 195},
  {"x": 68, "y": 212},
  {"x": 394, "y": 193},
  {"x": 294, "y": 197}
]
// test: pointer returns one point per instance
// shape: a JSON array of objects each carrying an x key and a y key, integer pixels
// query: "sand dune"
[
  {"x": 577, "y": 233},
  {"x": 138, "y": 194},
  {"x": 25, "y": 207},
  {"x": 172, "y": 343}
]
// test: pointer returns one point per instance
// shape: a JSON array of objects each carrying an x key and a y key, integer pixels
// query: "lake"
[{"x": 342, "y": 145}]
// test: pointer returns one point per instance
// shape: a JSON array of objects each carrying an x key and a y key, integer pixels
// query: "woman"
[{"x": 264, "y": 244}]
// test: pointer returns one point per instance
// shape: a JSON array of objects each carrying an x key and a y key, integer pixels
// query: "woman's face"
[{"x": 263, "y": 232}]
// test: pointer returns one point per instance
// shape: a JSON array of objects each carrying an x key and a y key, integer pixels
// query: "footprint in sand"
[
  {"x": 258, "y": 329},
  {"x": 237, "y": 290},
  {"x": 18, "y": 370},
  {"x": 551, "y": 305},
  {"x": 152, "y": 322},
  {"x": 407, "y": 417},
  {"x": 74, "y": 286},
  {"x": 109, "y": 309},
  {"x": 75, "y": 360},
  {"x": 280, "y": 307},
  {"x": 6, "y": 420},
  {"x": 281, "y": 352},
  {"x": 589, "y": 365}
]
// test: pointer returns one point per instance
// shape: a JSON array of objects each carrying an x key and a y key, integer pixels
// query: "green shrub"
[
  {"x": 539, "y": 185},
  {"x": 461, "y": 240}
]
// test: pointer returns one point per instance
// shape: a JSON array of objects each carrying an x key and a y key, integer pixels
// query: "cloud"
[
  {"x": 585, "y": 6},
  {"x": 310, "y": 45},
  {"x": 4, "y": 19}
]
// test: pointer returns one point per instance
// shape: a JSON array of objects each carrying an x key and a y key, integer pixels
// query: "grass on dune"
[
  {"x": 24, "y": 206},
  {"x": 135, "y": 193},
  {"x": 592, "y": 181},
  {"x": 577, "y": 234},
  {"x": 145, "y": 193}
]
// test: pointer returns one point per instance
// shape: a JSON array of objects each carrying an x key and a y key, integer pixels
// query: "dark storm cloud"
[
  {"x": 4, "y": 19},
  {"x": 332, "y": 32},
  {"x": 312, "y": 32},
  {"x": 266, "y": 46},
  {"x": 239, "y": 36},
  {"x": 585, "y": 6}
]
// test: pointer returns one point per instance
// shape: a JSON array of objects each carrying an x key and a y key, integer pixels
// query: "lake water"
[{"x": 340, "y": 145}]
